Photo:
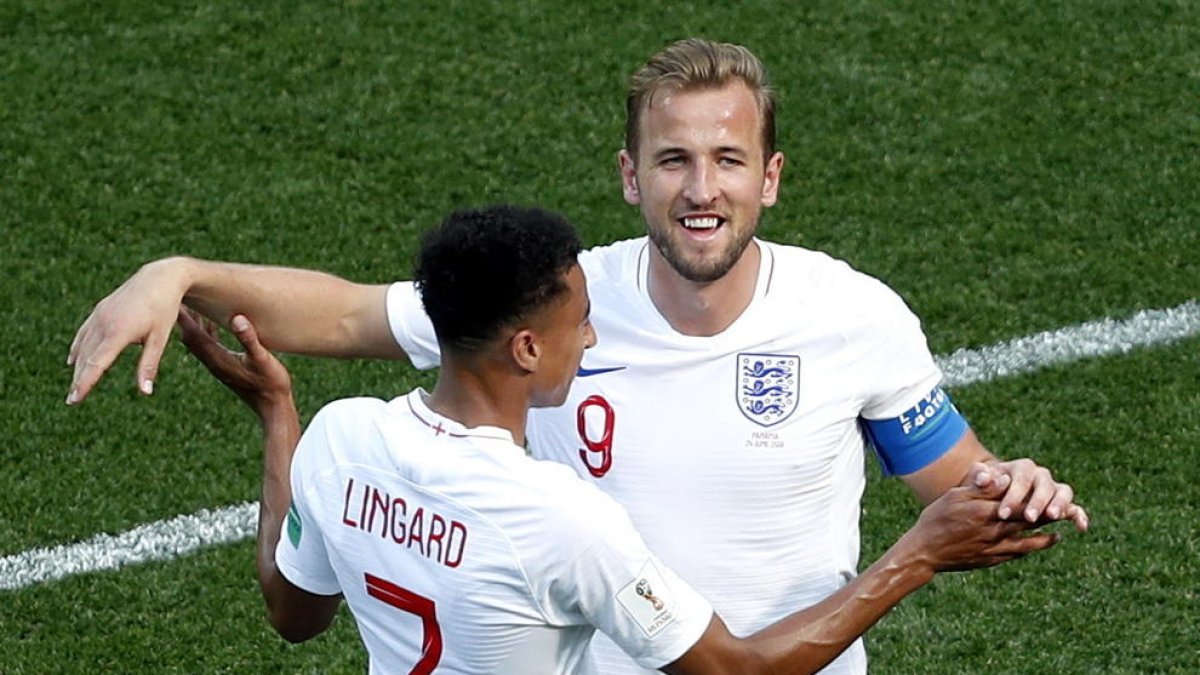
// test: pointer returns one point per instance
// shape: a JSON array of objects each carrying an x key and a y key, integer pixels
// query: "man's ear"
[
  {"x": 774, "y": 169},
  {"x": 526, "y": 350},
  {"x": 629, "y": 184}
]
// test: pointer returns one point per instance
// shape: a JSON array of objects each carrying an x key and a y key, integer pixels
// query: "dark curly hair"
[{"x": 483, "y": 269}]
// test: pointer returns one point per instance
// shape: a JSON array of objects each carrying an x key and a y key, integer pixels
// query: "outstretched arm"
[
  {"x": 264, "y": 384},
  {"x": 958, "y": 531},
  {"x": 294, "y": 310}
]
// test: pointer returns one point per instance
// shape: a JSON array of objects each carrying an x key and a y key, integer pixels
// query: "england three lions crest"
[{"x": 768, "y": 387}]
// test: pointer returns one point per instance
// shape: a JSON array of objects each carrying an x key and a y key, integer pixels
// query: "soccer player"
[
  {"x": 457, "y": 553},
  {"x": 737, "y": 381}
]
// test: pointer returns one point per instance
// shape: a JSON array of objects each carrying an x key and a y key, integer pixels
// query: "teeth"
[{"x": 706, "y": 223}]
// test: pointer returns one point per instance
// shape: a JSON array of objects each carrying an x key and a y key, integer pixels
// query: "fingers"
[
  {"x": 1030, "y": 483},
  {"x": 980, "y": 475},
  {"x": 73, "y": 352},
  {"x": 190, "y": 331},
  {"x": 1035, "y": 497},
  {"x": 1042, "y": 490},
  {"x": 1024, "y": 545},
  {"x": 244, "y": 330},
  {"x": 1012, "y": 548},
  {"x": 91, "y": 362},
  {"x": 984, "y": 482},
  {"x": 201, "y": 343},
  {"x": 1016, "y": 493},
  {"x": 989, "y": 482},
  {"x": 152, "y": 351},
  {"x": 93, "y": 350},
  {"x": 1079, "y": 516},
  {"x": 1062, "y": 497},
  {"x": 972, "y": 540}
]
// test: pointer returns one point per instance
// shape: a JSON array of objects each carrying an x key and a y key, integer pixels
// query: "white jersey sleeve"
[
  {"x": 902, "y": 368},
  {"x": 411, "y": 326},
  {"x": 909, "y": 421},
  {"x": 301, "y": 555},
  {"x": 612, "y": 580}
]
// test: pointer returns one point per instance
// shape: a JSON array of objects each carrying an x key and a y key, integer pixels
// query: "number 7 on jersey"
[{"x": 407, "y": 601}]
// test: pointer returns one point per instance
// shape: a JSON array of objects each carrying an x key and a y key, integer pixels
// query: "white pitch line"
[
  {"x": 177, "y": 536},
  {"x": 160, "y": 540},
  {"x": 1087, "y": 340}
]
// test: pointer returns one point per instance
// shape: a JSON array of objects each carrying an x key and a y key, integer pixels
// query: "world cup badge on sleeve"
[{"x": 767, "y": 387}]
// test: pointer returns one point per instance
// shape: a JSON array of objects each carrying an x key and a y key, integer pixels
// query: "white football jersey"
[
  {"x": 457, "y": 553},
  {"x": 740, "y": 456}
]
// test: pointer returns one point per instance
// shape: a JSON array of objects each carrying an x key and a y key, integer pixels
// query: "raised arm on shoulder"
[{"x": 294, "y": 310}]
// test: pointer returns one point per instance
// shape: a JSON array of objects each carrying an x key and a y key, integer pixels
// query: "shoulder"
[
  {"x": 561, "y": 488},
  {"x": 818, "y": 279},
  {"x": 797, "y": 269},
  {"x": 346, "y": 413},
  {"x": 577, "y": 510},
  {"x": 340, "y": 427},
  {"x": 616, "y": 261}
]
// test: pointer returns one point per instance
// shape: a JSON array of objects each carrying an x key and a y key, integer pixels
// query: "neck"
[
  {"x": 703, "y": 309},
  {"x": 477, "y": 393}
]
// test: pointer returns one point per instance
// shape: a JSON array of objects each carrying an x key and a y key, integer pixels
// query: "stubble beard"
[{"x": 700, "y": 270}]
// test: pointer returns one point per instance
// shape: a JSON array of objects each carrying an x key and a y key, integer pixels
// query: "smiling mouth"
[{"x": 701, "y": 222}]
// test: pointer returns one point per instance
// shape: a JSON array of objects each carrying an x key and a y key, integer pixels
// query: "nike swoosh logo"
[{"x": 588, "y": 372}]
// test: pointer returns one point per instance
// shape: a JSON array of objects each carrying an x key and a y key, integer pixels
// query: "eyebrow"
[
  {"x": 673, "y": 150},
  {"x": 720, "y": 150}
]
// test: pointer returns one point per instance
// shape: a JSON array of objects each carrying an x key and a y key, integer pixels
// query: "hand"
[
  {"x": 961, "y": 529},
  {"x": 1033, "y": 487},
  {"x": 256, "y": 376},
  {"x": 141, "y": 311}
]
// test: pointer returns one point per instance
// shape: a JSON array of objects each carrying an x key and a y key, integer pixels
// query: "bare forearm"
[
  {"x": 809, "y": 639},
  {"x": 959, "y": 531},
  {"x": 294, "y": 310},
  {"x": 281, "y": 433},
  {"x": 295, "y": 614},
  {"x": 950, "y": 470}
]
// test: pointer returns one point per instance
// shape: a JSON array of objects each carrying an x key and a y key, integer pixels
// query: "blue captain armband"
[{"x": 919, "y": 436}]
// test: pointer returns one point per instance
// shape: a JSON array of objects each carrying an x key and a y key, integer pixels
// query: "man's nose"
[{"x": 701, "y": 188}]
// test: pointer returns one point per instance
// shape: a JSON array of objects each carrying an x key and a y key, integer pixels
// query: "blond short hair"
[{"x": 696, "y": 63}]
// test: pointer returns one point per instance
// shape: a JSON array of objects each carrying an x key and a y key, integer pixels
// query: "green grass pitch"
[{"x": 1009, "y": 167}]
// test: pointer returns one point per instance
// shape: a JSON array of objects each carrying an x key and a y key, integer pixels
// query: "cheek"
[
  {"x": 656, "y": 191},
  {"x": 754, "y": 188}
]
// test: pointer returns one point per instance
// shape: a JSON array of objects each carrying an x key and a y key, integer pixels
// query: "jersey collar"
[
  {"x": 441, "y": 425},
  {"x": 762, "y": 285}
]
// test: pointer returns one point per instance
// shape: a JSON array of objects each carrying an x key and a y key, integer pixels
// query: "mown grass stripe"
[{"x": 177, "y": 536}]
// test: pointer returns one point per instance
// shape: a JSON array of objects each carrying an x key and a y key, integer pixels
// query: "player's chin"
[
  {"x": 561, "y": 398},
  {"x": 552, "y": 399}
]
